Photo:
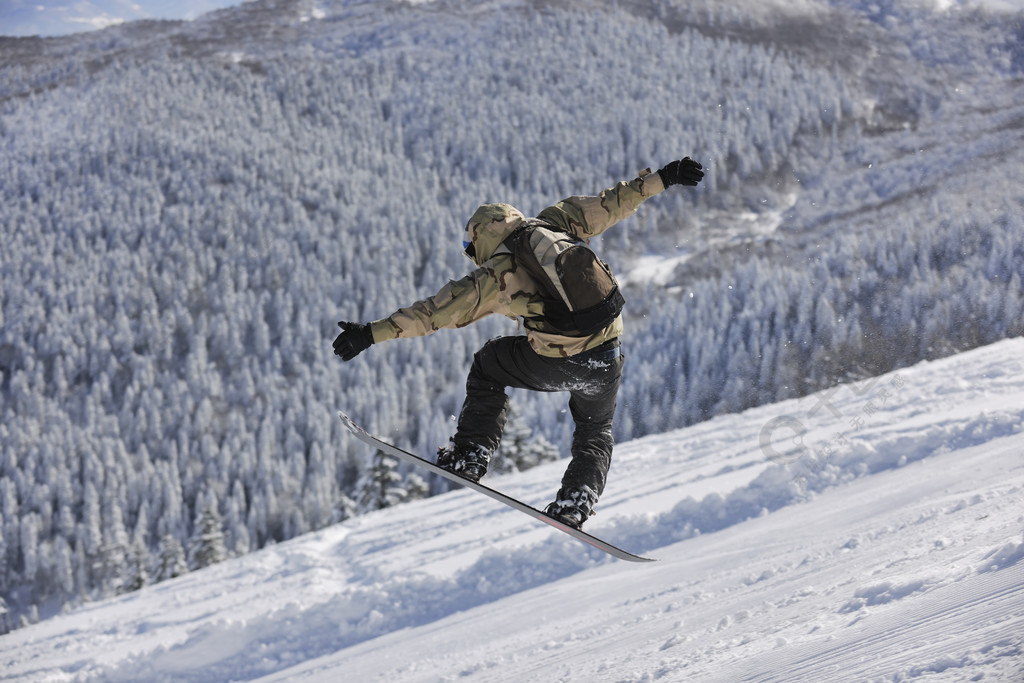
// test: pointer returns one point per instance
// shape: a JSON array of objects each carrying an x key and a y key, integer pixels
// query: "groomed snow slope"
[{"x": 895, "y": 553}]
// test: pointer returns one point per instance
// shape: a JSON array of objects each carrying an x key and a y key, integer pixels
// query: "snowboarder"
[{"x": 549, "y": 357}]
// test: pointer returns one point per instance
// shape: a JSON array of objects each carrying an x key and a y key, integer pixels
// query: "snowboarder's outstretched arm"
[
  {"x": 458, "y": 304},
  {"x": 588, "y": 216}
]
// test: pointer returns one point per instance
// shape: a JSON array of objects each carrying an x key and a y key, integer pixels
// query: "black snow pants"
[{"x": 591, "y": 378}]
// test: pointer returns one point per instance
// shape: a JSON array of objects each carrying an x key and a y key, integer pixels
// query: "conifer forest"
[{"x": 187, "y": 209}]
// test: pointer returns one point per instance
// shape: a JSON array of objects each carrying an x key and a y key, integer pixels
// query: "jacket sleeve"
[
  {"x": 458, "y": 304},
  {"x": 587, "y": 216}
]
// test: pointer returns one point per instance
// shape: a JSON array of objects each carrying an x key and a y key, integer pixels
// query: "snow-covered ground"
[{"x": 869, "y": 532}]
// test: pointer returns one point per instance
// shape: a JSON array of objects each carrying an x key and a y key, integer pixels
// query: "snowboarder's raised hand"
[
  {"x": 354, "y": 339},
  {"x": 683, "y": 172}
]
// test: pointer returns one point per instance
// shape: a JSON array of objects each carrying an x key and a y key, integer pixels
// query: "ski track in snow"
[{"x": 882, "y": 542}]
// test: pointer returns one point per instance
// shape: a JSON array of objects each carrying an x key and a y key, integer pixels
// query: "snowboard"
[{"x": 397, "y": 452}]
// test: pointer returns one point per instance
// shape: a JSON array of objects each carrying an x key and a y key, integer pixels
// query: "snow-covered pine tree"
[
  {"x": 521, "y": 448},
  {"x": 137, "y": 569},
  {"x": 207, "y": 542},
  {"x": 5, "y": 562},
  {"x": 5, "y": 622},
  {"x": 345, "y": 508},
  {"x": 537, "y": 452},
  {"x": 380, "y": 486},
  {"x": 415, "y": 487},
  {"x": 171, "y": 562},
  {"x": 114, "y": 555}
]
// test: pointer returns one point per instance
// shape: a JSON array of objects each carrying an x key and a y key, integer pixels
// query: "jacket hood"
[{"x": 488, "y": 227}]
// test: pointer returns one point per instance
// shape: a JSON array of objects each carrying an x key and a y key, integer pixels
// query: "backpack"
[{"x": 581, "y": 296}]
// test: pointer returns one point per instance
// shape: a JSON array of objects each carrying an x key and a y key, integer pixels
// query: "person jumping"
[{"x": 564, "y": 350}]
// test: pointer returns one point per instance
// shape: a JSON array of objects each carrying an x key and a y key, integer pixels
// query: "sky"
[{"x": 61, "y": 17}]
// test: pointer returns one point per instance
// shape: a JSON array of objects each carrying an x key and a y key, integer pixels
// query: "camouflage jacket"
[{"x": 497, "y": 287}]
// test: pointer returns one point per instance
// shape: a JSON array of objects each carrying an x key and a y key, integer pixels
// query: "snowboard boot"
[
  {"x": 572, "y": 506},
  {"x": 467, "y": 462}
]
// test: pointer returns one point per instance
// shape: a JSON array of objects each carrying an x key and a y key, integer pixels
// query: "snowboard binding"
[
  {"x": 572, "y": 507},
  {"x": 469, "y": 463}
]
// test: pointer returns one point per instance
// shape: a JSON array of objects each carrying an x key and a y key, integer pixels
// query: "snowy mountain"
[
  {"x": 887, "y": 543},
  {"x": 187, "y": 208}
]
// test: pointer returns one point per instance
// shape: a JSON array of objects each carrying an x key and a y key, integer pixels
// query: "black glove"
[
  {"x": 683, "y": 172},
  {"x": 353, "y": 341}
]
